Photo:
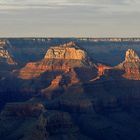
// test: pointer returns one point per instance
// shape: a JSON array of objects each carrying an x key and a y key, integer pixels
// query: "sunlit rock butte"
[
  {"x": 64, "y": 58},
  {"x": 131, "y": 65},
  {"x": 5, "y": 55},
  {"x": 67, "y": 51}
]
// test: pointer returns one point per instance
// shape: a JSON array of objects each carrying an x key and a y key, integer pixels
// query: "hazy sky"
[{"x": 64, "y": 18}]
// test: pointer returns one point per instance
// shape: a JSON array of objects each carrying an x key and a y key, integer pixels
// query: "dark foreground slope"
[{"x": 97, "y": 112}]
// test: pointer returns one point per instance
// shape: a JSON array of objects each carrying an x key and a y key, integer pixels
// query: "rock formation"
[
  {"x": 67, "y": 51},
  {"x": 60, "y": 83},
  {"x": 101, "y": 71},
  {"x": 68, "y": 65},
  {"x": 131, "y": 65},
  {"x": 59, "y": 58},
  {"x": 55, "y": 88},
  {"x": 131, "y": 56},
  {"x": 5, "y": 55}
]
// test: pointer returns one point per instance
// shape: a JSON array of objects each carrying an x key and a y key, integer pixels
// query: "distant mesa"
[
  {"x": 58, "y": 58},
  {"x": 68, "y": 51},
  {"x": 131, "y": 65}
]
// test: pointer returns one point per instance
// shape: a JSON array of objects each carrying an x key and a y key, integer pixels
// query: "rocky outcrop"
[
  {"x": 54, "y": 89},
  {"x": 101, "y": 71},
  {"x": 102, "y": 68},
  {"x": 131, "y": 65},
  {"x": 55, "y": 83},
  {"x": 131, "y": 56},
  {"x": 59, "y": 58},
  {"x": 68, "y": 65},
  {"x": 2, "y": 43},
  {"x": 60, "y": 83},
  {"x": 68, "y": 51},
  {"x": 5, "y": 55}
]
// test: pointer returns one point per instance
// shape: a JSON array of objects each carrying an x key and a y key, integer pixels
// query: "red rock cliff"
[
  {"x": 58, "y": 58},
  {"x": 131, "y": 65}
]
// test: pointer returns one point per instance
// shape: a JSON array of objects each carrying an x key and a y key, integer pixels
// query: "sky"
[{"x": 69, "y": 18}]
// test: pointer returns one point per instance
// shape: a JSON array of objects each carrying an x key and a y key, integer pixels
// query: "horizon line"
[{"x": 69, "y": 37}]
